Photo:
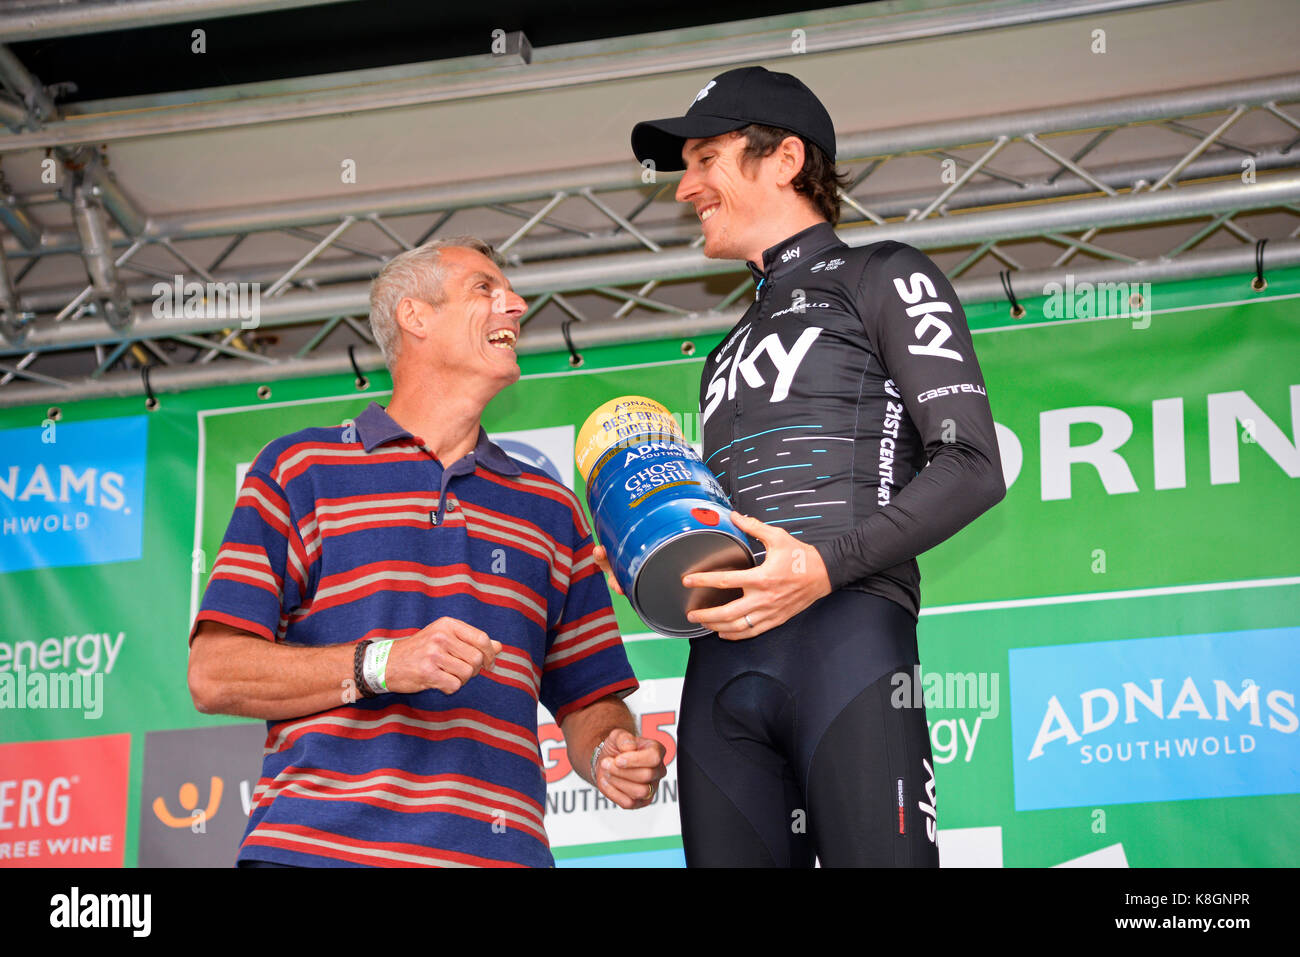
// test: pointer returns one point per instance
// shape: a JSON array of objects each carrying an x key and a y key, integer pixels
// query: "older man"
[
  {"x": 395, "y": 595},
  {"x": 846, "y": 410}
]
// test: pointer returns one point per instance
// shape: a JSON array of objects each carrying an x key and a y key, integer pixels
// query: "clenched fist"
[{"x": 443, "y": 655}]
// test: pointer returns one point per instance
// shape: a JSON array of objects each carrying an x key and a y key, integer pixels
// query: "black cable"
[
  {"x": 151, "y": 400},
  {"x": 1017, "y": 310},
  {"x": 1259, "y": 283},
  {"x": 575, "y": 357},
  {"x": 362, "y": 381}
]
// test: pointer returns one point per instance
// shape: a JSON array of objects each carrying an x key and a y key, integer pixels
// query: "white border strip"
[
  {"x": 1059, "y": 600},
  {"x": 198, "y": 522},
  {"x": 1153, "y": 312},
  {"x": 649, "y": 636},
  {"x": 1110, "y": 595},
  {"x": 204, "y": 413},
  {"x": 684, "y": 360}
]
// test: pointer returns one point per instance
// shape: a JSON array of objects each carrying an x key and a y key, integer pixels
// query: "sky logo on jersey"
[
  {"x": 923, "y": 300},
  {"x": 72, "y": 494},
  {"x": 1156, "y": 719},
  {"x": 785, "y": 364}
]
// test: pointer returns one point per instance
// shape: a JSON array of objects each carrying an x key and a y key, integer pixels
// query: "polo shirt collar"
[
  {"x": 798, "y": 248},
  {"x": 375, "y": 427}
]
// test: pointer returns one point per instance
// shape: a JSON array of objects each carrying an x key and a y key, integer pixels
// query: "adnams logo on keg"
[
  {"x": 1155, "y": 719},
  {"x": 72, "y": 493}
]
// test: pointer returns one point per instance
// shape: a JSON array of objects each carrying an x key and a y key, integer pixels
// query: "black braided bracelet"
[{"x": 358, "y": 660}]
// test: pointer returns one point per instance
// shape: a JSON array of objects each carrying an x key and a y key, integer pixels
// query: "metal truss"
[{"x": 604, "y": 254}]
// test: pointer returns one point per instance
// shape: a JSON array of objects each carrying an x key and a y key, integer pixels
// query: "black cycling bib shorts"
[{"x": 791, "y": 749}]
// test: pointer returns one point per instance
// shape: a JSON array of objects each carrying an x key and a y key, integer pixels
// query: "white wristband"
[{"x": 375, "y": 666}]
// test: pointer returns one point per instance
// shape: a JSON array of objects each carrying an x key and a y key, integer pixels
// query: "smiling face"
[
  {"x": 470, "y": 336},
  {"x": 727, "y": 198},
  {"x": 744, "y": 205}
]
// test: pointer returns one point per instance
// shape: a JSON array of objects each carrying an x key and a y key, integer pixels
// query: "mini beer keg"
[{"x": 659, "y": 512}]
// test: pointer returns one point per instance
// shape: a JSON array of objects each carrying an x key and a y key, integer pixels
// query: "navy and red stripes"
[{"x": 333, "y": 541}]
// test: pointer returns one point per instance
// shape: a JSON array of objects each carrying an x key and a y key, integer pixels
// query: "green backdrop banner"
[{"x": 1109, "y": 656}]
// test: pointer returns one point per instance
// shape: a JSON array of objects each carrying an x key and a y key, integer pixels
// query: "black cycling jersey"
[{"x": 850, "y": 372}]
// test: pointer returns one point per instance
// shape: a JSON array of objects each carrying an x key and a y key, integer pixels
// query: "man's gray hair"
[{"x": 417, "y": 273}]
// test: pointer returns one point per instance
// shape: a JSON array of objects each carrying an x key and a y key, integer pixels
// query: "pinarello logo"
[{"x": 63, "y": 803}]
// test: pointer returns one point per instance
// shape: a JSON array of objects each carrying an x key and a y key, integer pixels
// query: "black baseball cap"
[{"x": 733, "y": 100}]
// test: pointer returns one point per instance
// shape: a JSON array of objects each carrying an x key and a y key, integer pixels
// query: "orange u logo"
[{"x": 189, "y": 798}]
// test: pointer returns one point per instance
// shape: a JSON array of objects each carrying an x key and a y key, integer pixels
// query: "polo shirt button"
[{"x": 451, "y": 505}]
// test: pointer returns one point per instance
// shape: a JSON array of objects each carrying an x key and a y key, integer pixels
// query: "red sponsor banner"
[{"x": 63, "y": 803}]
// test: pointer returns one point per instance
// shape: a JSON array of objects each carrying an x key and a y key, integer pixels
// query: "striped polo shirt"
[{"x": 358, "y": 531}]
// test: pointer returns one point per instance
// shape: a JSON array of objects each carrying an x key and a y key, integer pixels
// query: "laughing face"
[{"x": 475, "y": 328}]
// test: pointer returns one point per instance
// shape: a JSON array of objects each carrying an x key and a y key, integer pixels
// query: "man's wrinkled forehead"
[{"x": 470, "y": 267}]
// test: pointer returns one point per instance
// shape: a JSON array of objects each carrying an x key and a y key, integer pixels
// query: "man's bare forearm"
[
  {"x": 232, "y": 672},
  {"x": 587, "y": 727}
]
